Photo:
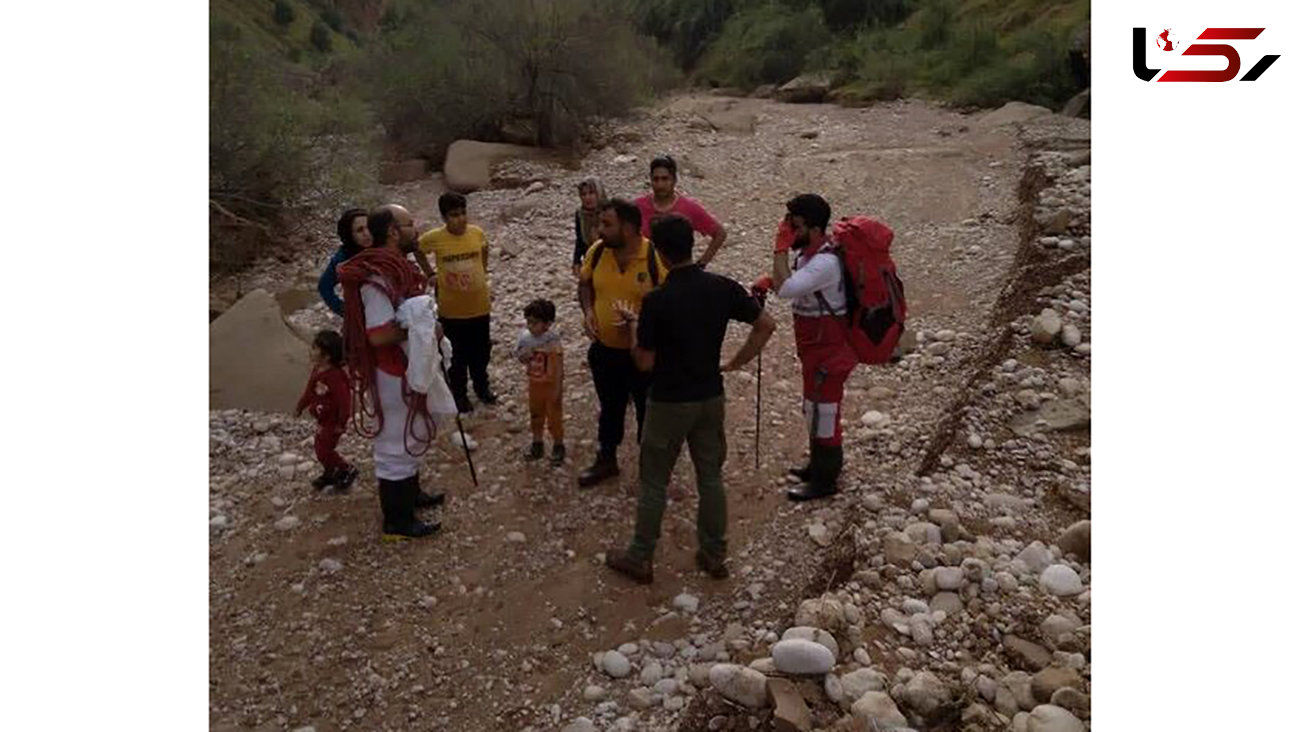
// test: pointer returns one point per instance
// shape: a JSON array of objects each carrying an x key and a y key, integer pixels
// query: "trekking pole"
[
  {"x": 761, "y": 297},
  {"x": 758, "y": 409},
  {"x": 442, "y": 365}
]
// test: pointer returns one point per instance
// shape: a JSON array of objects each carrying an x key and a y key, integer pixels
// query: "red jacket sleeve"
[{"x": 308, "y": 394}]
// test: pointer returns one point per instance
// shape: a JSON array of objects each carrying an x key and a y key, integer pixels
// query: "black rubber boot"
[
  {"x": 390, "y": 500},
  {"x": 824, "y": 467},
  {"x": 399, "y": 520}
]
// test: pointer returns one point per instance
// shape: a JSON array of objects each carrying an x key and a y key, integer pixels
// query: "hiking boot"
[
  {"x": 803, "y": 474},
  {"x": 415, "y": 529},
  {"x": 629, "y": 566},
  {"x": 824, "y": 465},
  {"x": 811, "y": 491},
  {"x": 324, "y": 479},
  {"x": 534, "y": 451},
  {"x": 557, "y": 455},
  {"x": 462, "y": 405},
  {"x": 344, "y": 478},
  {"x": 712, "y": 565},
  {"x": 487, "y": 397},
  {"x": 604, "y": 468}
]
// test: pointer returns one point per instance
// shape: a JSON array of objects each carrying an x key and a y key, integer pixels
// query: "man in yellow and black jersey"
[{"x": 460, "y": 254}]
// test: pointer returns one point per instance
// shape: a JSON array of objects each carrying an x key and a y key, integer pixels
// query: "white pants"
[{"x": 392, "y": 461}]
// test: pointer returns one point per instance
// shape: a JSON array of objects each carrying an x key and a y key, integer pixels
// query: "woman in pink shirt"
[{"x": 665, "y": 200}]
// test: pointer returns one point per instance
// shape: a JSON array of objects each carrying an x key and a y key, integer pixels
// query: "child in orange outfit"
[{"x": 541, "y": 349}]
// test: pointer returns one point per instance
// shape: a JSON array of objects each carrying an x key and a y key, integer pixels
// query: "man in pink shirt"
[{"x": 665, "y": 200}]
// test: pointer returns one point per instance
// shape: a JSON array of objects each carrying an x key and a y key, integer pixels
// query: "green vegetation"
[
  {"x": 280, "y": 143},
  {"x": 302, "y": 90},
  {"x": 969, "y": 52}
]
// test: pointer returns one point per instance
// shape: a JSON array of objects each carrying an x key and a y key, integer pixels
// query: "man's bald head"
[{"x": 391, "y": 225}]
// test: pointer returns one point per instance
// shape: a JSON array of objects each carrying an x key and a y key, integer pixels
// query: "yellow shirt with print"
[
  {"x": 612, "y": 285},
  {"x": 462, "y": 278}
]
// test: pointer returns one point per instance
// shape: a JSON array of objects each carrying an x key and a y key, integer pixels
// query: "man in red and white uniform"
[
  {"x": 376, "y": 281},
  {"x": 816, "y": 289}
]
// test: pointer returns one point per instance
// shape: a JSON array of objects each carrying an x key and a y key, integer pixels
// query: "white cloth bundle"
[{"x": 424, "y": 363}]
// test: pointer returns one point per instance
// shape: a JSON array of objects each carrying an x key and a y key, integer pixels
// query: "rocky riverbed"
[{"x": 947, "y": 587}]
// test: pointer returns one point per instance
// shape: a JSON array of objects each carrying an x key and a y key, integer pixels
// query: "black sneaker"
[
  {"x": 324, "y": 479},
  {"x": 640, "y": 570},
  {"x": 557, "y": 455},
  {"x": 488, "y": 398},
  {"x": 712, "y": 565},
  {"x": 602, "y": 469},
  {"x": 413, "y": 530},
  {"x": 463, "y": 406},
  {"x": 344, "y": 478},
  {"x": 534, "y": 451}
]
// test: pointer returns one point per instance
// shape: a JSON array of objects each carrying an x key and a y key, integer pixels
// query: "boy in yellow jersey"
[
  {"x": 460, "y": 254},
  {"x": 616, "y": 273}
]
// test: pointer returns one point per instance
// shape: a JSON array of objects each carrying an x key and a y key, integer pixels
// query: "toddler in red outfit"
[{"x": 329, "y": 399}]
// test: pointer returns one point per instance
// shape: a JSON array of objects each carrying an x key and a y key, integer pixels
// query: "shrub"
[
  {"x": 684, "y": 27},
  {"x": 321, "y": 38},
  {"x": 466, "y": 70},
  {"x": 765, "y": 44},
  {"x": 277, "y": 148},
  {"x": 282, "y": 12}
]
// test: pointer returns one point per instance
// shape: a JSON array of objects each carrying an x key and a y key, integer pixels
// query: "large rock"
[
  {"x": 1045, "y": 683},
  {"x": 900, "y": 550},
  {"x": 255, "y": 360},
  {"x": 798, "y": 656},
  {"x": 469, "y": 163},
  {"x": 616, "y": 664},
  {"x": 925, "y": 694},
  {"x": 789, "y": 710},
  {"x": 1079, "y": 104},
  {"x": 856, "y": 683},
  {"x": 742, "y": 685},
  {"x": 816, "y": 635},
  {"x": 875, "y": 707},
  {"x": 735, "y": 116},
  {"x": 1058, "y": 415},
  {"x": 1061, "y": 580},
  {"x": 1077, "y": 540},
  {"x": 826, "y": 613},
  {"x": 1045, "y": 327},
  {"x": 1051, "y": 718},
  {"x": 1011, "y": 113},
  {"x": 806, "y": 88},
  {"x": 1026, "y": 654}
]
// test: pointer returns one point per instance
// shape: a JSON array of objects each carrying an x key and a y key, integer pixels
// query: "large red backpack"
[{"x": 874, "y": 294}]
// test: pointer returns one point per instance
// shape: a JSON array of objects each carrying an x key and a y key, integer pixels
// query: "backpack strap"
[
  {"x": 653, "y": 264},
  {"x": 596, "y": 255}
]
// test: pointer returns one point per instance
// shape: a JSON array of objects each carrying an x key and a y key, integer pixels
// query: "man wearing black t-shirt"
[{"x": 679, "y": 336}]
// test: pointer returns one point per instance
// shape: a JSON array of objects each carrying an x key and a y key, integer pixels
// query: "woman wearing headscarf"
[
  {"x": 354, "y": 237},
  {"x": 586, "y": 220}
]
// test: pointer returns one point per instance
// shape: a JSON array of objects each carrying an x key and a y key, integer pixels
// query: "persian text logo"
[{"x": 1166, "y": 41}]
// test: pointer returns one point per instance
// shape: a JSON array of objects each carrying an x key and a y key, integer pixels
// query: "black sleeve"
[
  {"x": 743, "y": 307},
  {"x": 579, "y": 246},
  {"x": 647, "y": 322}
]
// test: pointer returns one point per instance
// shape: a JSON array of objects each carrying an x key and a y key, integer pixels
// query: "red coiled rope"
[{"x": 398, "y": 279}]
